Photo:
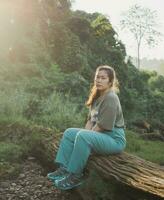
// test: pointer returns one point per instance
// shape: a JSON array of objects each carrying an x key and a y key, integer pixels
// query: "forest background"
[{"x": 49, "y": 54}]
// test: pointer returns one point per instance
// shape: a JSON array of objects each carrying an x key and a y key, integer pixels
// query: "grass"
[
  {"x": 148, "y": 150},
  {"x": 59, "y": 112},
  {"x": 10, "y": 158},
  {"x": 54, "y": 111},
  {"x": 10, "y": 152}
]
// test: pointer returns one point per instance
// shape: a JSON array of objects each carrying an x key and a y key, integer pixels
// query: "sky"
[{"x": 114, "y": 9}]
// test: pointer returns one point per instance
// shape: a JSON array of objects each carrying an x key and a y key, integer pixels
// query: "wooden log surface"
[{"x": 125, "y": 168}]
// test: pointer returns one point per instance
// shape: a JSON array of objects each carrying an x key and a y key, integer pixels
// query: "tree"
[{"x": 141, "y": 22}]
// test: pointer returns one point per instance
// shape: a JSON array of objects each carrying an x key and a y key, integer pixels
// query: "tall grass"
[
  {"x": 59, "y": 112},
  {"x": 12, "y": 104},
  {"x": 55, "y": 111}
]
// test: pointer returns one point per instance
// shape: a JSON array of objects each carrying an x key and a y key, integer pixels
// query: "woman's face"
[{"x": 102, "y": 81}]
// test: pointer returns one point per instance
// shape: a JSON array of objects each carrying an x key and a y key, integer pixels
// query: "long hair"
[{"x": 94, "y": 93}]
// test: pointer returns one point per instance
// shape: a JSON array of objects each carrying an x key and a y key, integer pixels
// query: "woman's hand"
[
  {"x": 97, "y": 128},
  {"x": 89, "y": 125}
]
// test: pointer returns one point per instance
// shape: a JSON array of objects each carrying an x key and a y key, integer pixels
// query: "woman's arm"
[
  {"x": 89, "y": 125},
  {"x": 97, "y": 128}
]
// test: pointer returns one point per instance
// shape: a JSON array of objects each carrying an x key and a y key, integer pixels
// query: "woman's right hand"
[{"x": 89, "y": 125}]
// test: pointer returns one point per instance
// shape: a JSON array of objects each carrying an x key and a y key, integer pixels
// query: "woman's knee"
[
  {"x": 67, "y": 132},
  {"x": 70, "y": 132},
  {"x": 83, "y": 135}
]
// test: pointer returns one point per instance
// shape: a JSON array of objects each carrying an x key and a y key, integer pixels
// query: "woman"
[{"x": 103, "y": 133}]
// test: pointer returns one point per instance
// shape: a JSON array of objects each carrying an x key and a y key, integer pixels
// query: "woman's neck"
[{"x": 105, "y": 91}]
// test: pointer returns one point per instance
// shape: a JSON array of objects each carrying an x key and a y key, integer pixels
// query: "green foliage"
[
  {"x": 70, "y": 58},
  {"x": 59, "y": 112},
  {"x": 149, "y": 150},
  {"x": 12, "y": 104},
  {"x": 53, "y": 110},
  {"x": 10, "y": 152},
  {"x": 81, "y": 27},
  {"x": 157, "y": 83},
  {"x": 48, "y": 65},
  {"x": 74, "y": 84},
  {"x": 101, "y": 26},
  {"x": 156, "y": 106}
]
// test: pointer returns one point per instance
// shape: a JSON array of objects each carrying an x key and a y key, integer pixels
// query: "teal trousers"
[{"x": 77, "y": 144}]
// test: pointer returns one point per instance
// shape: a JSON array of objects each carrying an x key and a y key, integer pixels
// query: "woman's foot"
[
  {"x": 69, "y": 182},
  {"x": 60, "y": 173}
]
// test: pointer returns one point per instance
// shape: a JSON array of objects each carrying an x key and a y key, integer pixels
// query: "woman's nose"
[{"x": 98, "y": 80}]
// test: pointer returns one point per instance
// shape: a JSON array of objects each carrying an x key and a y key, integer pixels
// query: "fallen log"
[{"x": 126, "y": 169}]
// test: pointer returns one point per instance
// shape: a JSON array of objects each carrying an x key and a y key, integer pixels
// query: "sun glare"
[{"x": 15, "y": 19}]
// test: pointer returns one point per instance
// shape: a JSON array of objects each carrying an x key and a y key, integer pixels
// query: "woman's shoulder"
[{"x": 111, "y": 95}]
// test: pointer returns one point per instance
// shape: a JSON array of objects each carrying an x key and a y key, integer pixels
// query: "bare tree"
[{"x": 142, "y": 23}]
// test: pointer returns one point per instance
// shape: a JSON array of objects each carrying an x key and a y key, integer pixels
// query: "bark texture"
[{"x": 125, "y": 168}]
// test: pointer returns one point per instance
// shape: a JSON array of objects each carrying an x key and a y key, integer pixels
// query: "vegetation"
[
  {"x": 51, "y": 59},
  {"x": 47, "y": 67},
  {"x": 142, "y": 23},
  {"x": 152, "y": 65},
  {"x": 148, "y": 150}
]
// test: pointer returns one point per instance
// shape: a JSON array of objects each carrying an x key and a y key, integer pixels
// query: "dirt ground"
[{"x": 32, "y": 184}]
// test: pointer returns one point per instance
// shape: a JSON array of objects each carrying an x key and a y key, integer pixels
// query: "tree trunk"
[
  {"x": 126, "y": 169},
  {"x": 138, "y": 55}
]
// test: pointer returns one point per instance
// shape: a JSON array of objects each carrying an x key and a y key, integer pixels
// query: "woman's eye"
[{"x": 103, "y": 78}]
